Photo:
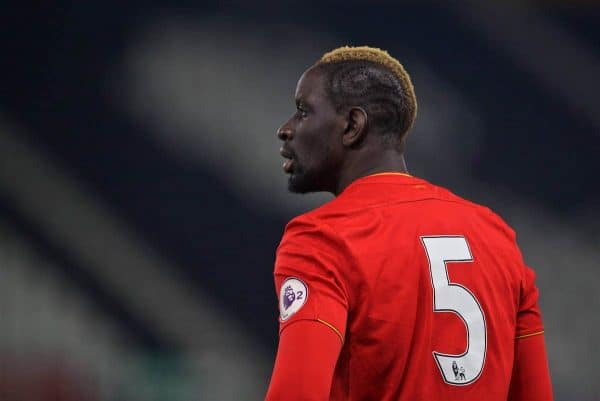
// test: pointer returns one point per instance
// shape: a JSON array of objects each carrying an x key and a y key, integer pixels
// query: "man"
[{"x": 397, "y": 290}]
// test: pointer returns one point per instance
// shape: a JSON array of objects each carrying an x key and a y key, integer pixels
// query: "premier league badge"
[{"x": 292, "y": 296}]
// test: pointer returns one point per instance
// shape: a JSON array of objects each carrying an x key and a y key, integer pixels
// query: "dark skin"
[{"x": 325, "y": 149}]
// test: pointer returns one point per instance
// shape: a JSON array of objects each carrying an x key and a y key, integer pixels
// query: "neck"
[{"x": 387, "y": 161}]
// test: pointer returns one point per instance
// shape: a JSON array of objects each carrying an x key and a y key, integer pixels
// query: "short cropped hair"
[{"x": 372, "y": 79}]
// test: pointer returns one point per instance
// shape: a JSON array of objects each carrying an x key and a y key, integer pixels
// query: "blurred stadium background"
[{"x": 142, "y": 198}]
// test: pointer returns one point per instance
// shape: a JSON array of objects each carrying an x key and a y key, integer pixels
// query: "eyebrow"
[{"x": 301, "y": 102}]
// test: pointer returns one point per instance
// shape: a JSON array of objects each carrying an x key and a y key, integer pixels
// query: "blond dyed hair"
[{"x": 346, "y": 54}]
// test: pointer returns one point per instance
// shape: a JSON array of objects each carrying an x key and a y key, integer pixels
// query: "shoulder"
[
  {"x": 309, "y": 228},
  {"x": 479, "y": 212},
  {"x": 314, "y": 236}
]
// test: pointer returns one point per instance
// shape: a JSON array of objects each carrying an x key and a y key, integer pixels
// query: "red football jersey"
[{"x": 428, "y": 292}]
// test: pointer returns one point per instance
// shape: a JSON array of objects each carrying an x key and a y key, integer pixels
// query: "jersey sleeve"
[
  {"x": 529, "y": 317},
  {"x": 530, "y": 379},
  {"x": 308, "y": 277},
  {"x": 305, "y": 363}
]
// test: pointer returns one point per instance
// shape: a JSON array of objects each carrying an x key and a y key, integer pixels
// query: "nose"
[{"x": 284, "y": 132}]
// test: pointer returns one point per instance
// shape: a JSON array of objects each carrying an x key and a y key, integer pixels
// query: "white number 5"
[{"x": 452, "y": 297}]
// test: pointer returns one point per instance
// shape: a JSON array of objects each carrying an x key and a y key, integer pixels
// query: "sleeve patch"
[{"x": 293, "y": 294}]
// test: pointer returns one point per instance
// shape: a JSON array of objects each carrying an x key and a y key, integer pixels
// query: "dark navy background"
[{"x": 56, "y": 67}]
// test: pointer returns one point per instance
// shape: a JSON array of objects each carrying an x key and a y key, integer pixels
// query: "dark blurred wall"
[{"x": 62, "y": 79}]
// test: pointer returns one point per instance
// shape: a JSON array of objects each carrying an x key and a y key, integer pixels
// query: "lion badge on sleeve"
[{"x": 292, "y": 296}]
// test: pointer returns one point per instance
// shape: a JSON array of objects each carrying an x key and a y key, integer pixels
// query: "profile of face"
[{"x": 311, "y": 137}]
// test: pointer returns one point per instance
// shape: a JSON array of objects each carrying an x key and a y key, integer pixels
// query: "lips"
[{"x": 288, "y": 164}]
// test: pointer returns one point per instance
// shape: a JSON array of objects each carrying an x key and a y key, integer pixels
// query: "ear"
[{"x": 356, "y": 127}]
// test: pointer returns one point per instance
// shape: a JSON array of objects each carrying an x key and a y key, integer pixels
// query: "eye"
[{"x": 301, "y": 112}]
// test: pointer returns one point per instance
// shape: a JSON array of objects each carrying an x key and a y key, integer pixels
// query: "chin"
[
  {"x": 302, "y": 184},
  {"x": 296, "y": 186}
]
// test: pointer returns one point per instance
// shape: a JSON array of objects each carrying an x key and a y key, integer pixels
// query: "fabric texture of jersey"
[{"x": 360, "y": 265}]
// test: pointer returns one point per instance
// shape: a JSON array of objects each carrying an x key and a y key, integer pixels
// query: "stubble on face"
[{"x": 303, "y": 181}]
